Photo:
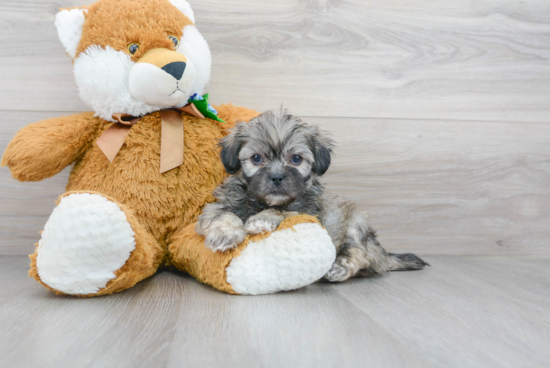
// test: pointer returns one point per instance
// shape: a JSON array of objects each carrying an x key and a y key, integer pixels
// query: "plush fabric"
[
  {"x": 119, "y": 221},
  {"x": 157, "y": 204},
  {"x": 69, "y": 24},
  {"x": 105, "y": 69},
  {"x": 116, "y": 23},
  {"x": 287, "y": 259},
  {"x": 143, "y": 261},
  {"x": 262, "y": 263}
]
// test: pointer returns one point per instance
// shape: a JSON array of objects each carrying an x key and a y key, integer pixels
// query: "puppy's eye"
[
  {"x": 296, "y": 159},
  {"x": 175, "y": 40},
  {"x": 256, "y": 159},
  {"x": 133, "y": 47}
]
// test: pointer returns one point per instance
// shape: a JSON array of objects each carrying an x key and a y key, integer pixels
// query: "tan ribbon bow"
[{"x": 171, "y": 140}]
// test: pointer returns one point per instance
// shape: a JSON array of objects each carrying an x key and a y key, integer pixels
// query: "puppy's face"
[{"x": 278, "y": 154}]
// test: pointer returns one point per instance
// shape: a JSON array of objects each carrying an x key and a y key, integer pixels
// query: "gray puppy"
[{"x": 277, "y": 161}]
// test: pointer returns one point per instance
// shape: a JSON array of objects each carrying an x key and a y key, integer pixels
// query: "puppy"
[{"x": 277, "y": 161}]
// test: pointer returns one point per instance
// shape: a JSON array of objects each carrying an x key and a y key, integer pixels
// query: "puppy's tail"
[{"x": 406, "y": 261}]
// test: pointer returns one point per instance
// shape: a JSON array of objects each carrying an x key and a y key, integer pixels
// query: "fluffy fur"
[
  {"x": 89, "y": 233},
  {"x": 185, "y": 8},
  {"x": 297, "y": 254},
  {"x": 103, "y": 64},
  {"x": 161, "y": 204},
  {"x": 69, "y": 24},
  {"x": 277, "y": 161}
]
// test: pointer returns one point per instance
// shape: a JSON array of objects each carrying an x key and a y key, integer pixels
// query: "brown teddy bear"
[{"x": 145, "y": 163}]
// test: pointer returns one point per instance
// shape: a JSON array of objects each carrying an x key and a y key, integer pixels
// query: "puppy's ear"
[
  {"x": 231, "y": 145},
  {"x": 322, "y": 160},
  {"x": 321, "y": 147}
]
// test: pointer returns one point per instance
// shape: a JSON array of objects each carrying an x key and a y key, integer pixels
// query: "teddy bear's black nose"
[{"x": 175, "y": 69}]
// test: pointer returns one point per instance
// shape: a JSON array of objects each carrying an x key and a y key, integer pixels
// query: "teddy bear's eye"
[
  {"x": 175, "y": 40},
  {"x": 133, "y": 47}
]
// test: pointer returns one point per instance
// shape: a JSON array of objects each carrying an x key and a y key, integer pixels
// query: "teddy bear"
[{"x": 145, "y": 162}]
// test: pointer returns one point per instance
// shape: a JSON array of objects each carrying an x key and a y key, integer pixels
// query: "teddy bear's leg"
[
  {"x": 298, "y": 253},
  {"x": 92, "y": 245}
]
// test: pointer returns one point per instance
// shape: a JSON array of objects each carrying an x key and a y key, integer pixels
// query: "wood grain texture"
[
  {"x": 446, "y": 187},
  {"x": 461, "y": 312},
  {"x": 19, "y": 234},
  {"x": 431, "y": 187},
  {"x": 481, "y": 60}
]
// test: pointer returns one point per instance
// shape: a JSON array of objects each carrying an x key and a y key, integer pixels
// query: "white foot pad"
[
  {"x": 86, "y": 239},
  {"x": 288, "y": 259}
]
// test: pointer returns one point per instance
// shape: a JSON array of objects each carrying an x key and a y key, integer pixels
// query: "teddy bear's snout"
[
  {"x": 162, "y": 77},
  {"x": 172, "y": 62}
]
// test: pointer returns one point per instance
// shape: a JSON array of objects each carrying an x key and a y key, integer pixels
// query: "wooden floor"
[{"x": 491, "y": 311}]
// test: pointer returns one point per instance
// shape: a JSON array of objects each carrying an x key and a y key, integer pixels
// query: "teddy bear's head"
[{"x": 135, "y": 56}]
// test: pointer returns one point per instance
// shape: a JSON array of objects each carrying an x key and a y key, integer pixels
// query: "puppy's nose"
[
  {"x": 277, "y": 179},
  {"x": 175, "y": 69}
]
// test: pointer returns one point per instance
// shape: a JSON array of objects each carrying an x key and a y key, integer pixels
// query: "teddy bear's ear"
[
  {"x": 184, "y": 7},
  {"x": 69, "y": 24}
]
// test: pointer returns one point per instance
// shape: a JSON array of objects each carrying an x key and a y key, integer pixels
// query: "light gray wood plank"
[
  {"x": 465, "y": 312},
  {"x": 461, "y": 312},
  {"x": 172, "y": 321},
  {"x": 131, "y": 328},
  {"x": 482, "y": 60},
  {"x": 30, "y": 198},
  {"x": 311, "y": 327},
  {"x": 431, "y": 187},
  {"x": 444, "y": 187},
  {"x": 19, "y": 234}
]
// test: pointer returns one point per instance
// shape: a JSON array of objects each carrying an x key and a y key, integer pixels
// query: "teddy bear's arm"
[
  {"x": 41, "y": 150},
  {"x": 231, "y": 114}
]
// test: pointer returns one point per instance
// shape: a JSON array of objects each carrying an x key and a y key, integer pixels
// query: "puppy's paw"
[
  {"x": 226, "y": 232},
  {"x": 221, "y": 239},
  {"x": 265, "y": 221},
  {"x": 258, "y": 226},
  {"x": 339, "y": 272}
]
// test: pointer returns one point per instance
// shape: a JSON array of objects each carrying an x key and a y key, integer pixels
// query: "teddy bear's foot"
[
  {"x": 92, "y": 245},
  {"x": 297, "y": 254}
]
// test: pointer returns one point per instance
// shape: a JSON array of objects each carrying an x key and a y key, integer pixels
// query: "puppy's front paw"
[
  {"x": 261, "y": 225},
  {"x": 222, "y": 239},
  {"x": 265, "y": 221},
  {"x": 339, "y": 272}
]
